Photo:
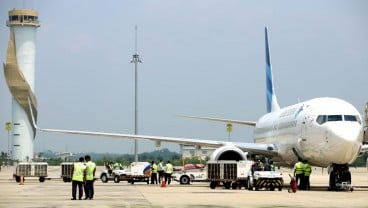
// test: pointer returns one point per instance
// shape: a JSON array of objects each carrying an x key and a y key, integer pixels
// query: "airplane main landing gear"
[{"x": 340, "y": 178}]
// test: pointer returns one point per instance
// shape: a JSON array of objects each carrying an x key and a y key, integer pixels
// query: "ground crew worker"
[
  {"x": 307, "y": 169},
  {"x": 153, "y": 173},
  {"x": 90, "y": 178},
  {"x": 255, "y": 167},
  {"x": 273, "y": 167},
  {"x": 116, "y": 165},
  {"x": 169, "y": 170},
  {"x": 160, "y": 170},
  {"x": 110, "y": 167},
  {"x": 78, "y": 177},
  {"x": 261, "y": 165},
  {"x": 298, "y": 173}
]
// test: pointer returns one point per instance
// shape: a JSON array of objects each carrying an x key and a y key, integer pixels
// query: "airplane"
[{"x": 325, "y": 131}]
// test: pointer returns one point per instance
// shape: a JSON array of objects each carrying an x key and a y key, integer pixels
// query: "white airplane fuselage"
[{"x": 335, "y": 138}]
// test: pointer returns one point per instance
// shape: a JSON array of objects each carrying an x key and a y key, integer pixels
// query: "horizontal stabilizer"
[{"x": 248, "y": 123}]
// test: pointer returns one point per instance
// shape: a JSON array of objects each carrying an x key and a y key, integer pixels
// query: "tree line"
[{"x": 125, "y": 159}]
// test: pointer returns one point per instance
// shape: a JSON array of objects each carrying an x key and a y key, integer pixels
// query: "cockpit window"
[
  {"x": 334, "y": 118},
  {"x": 351, "y": 118},
  {"x": 321, "y": 119}
]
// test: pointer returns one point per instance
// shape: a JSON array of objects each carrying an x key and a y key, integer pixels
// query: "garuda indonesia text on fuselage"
[{"x": 325, "y": 131}]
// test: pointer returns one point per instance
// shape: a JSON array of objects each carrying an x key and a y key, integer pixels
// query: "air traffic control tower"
[{"x": 19, "y": 71}]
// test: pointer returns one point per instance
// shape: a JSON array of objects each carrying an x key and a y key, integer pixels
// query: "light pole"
[
  {"x": 8, "y": 127},
  {"x": 136, "y": 60}
]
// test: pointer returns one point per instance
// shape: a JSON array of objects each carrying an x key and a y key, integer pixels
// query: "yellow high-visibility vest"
[
  {"x": 169, "y": 168},
  {"x": 90, "y": 167},
  {"x": 154, "y": 168},
  {"x": 299, "y": 168},
  {"x": 78, "y": 171},
  {"x": 160, "y": 166},
  {"x": 307, "y": 169}
]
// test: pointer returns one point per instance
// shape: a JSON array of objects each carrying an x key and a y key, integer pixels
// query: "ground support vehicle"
[
  {"x": 345, "y": 186},
  {"x": 105, "y": 176},
  {"x": 233, "y": 174},
  {"x": 30, "y": 169},
  {"x": 265, "y": 179},
  {"x": 66, "y": 171},
  {"x": 185, "y": 177},
  {"x": 136, "y": 172}
]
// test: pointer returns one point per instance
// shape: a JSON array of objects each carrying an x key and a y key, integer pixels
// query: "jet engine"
[{"x": 228, "y": 153}]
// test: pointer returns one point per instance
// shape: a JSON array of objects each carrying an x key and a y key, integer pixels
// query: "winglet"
[
  {"x": 33, "y": 119},
  {"x": 272, "y": 104}
]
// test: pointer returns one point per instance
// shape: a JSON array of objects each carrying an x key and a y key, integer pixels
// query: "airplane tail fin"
[{"x": 272, "y": 104}]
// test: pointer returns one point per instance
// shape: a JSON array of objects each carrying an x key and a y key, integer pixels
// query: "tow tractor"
[
  {"x": 105, "y": 176},
  {"x": 265, "y": 179},
  {"x": 191, "y": 173},
  {"x": 136, "y": 172}
]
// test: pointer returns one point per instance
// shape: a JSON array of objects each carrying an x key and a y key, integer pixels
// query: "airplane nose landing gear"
[{"x": 340, "y": 178}]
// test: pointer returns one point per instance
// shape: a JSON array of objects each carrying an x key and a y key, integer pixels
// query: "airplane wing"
[
  {"x": 248, "y": 123},
  {"x": 264, "y": 149}
]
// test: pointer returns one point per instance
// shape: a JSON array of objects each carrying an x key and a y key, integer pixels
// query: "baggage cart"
[
  {"x": 66, "y": 171},
  {"x": 233, "y": 174},
  {"x": 30, "y": 169}
]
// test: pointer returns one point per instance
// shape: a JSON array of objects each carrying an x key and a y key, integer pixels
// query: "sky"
[{"x": 203, "y": 58}]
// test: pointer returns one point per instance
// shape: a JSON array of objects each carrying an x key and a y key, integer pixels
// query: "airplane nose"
[
  {"x": 346, "y": 140},
  {"x": 351, "y": 133}
]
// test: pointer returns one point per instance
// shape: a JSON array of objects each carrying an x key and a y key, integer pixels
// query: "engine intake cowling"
[{"x": 228, "y": 153}]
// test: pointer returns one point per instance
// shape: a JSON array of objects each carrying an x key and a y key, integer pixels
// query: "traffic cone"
[
  {"x": 21, "y": 182},
  {"x": 163, "y": 183}
]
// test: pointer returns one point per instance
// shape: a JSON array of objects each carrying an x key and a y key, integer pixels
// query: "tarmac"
[{"x": 55, "y": 193}]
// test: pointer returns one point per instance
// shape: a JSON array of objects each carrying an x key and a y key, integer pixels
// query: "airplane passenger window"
[
  {"x": 334, "y": 118},
  {"x": 321, "y": 119}
]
